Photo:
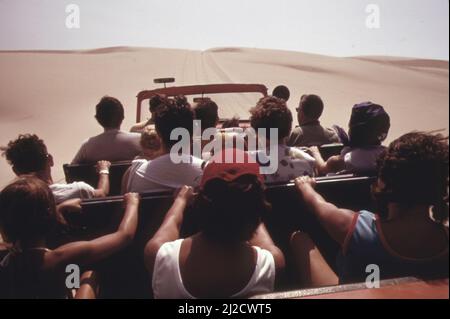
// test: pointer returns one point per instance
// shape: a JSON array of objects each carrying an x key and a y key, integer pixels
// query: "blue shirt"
[{"x": 365, "y": 245}]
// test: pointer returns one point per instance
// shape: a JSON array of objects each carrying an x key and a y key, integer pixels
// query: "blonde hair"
[{"x": 150, "y": 140}]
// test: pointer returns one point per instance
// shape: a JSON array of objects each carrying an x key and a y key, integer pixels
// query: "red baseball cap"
[{"x": 225, "y": 166}]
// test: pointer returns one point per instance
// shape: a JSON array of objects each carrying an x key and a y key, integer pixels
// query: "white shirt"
[
  {"x": 361, "y": 160},
  {"x": 112, "y": 145},
  {"x": 167, "y": 282},
  {"x": 63, "y": 192},
  {"x": 292, "y": 163},
  {"x": 162, "y": 174}
]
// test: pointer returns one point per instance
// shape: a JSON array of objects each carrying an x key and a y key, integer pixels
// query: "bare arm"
[
  {"x": 261, "y": 238},
  {"x": 67, "y": 207},
  {"x": 320, "y": 163},
  {"x": 89, "y": 252},
  {"x": 124, "y": 185},
  {"x": 71, "y": 205},
  {"x": 138, "y": 127},
  {"x": 337, "y": 222},
  {"x": 333, "y": 165},
  {"x": 170, "y": 228},
  {"x": 103, "y": 179},
  {"x": 310, "y": 265}
]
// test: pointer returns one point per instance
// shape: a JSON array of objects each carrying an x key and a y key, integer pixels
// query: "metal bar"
[
  {"x": 169, "y": 194},
  {"x": 327, "y": 180},
  {"x": 68, "y": 166},
  {"x": 205, "y": 89},
  {"x": 198, "y": 89}
]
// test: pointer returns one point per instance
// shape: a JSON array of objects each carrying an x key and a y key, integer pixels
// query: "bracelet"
[{"x": 104, "y": 171}]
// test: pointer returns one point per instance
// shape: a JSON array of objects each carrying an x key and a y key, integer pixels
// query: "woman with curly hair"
[
  {"x": 28, "y": 155},
  {"x": 272, "y": 113},
  {"x": 163, "y": 173},
  {"x": 412, "y": 197}
]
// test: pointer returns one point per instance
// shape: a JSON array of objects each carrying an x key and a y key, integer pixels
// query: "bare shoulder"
[
  {"x": 152, "y": 248},
  {"x": 297, "y": 131},
  {"x": 336, "y": 163}
]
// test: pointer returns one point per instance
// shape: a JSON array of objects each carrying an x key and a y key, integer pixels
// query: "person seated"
[
  {"x": 272, "y": 112},
  {"x": 162, "y": 173},
  {"x": 150, "y": 144},
  {"x": 113, "y": 144},
  {"x": 412, "y": 196},
  {"x": 233, "y": 255},
  {"x": 282, "y": 92},
  {"x": 368, "y": 128},
  {"x": 154, "y": 104},
  {"x": 207, "y": 112},
  {"x": 28, "y": 154},
  {"x": 28, "y": 217},
  {"x": 310, "y": 132}
]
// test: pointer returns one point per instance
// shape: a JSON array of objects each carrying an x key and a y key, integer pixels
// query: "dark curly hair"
[
  {"x": 27, "y": 210},
  {"x": 207, "y": 112},
  {"x": 155, "y": 102},
  {"x": 230, "y": 212},
  {"x": 414, "y": 170},
  {"x": 27, "y": 154},
  {"x": 173, "y": 113},
  {"x": 272, "y": 112}
]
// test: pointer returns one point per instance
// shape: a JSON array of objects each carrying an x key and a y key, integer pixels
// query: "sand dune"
[
  {"x": 405, "y": 62},
  {"x": 53, "y": 93}
]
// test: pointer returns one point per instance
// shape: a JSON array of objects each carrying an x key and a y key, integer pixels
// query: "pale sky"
[{"x": 412, "y": 28}]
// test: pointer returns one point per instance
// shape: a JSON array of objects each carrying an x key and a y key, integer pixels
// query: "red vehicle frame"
[{"x": 198, "y": 90}]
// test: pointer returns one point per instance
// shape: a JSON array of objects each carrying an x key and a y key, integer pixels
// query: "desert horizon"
[{"x": 53, "y": 93}]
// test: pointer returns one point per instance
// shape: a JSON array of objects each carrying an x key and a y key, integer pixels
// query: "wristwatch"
[{"x": 103, "y": 171}]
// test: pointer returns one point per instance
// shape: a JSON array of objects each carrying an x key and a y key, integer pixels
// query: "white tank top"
[{"x": 168, "y": 284}]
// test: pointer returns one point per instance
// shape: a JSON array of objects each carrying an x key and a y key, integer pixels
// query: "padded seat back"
[
  {"x": 329, "y": 150},
  {"x": 87, "y": 173}
]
